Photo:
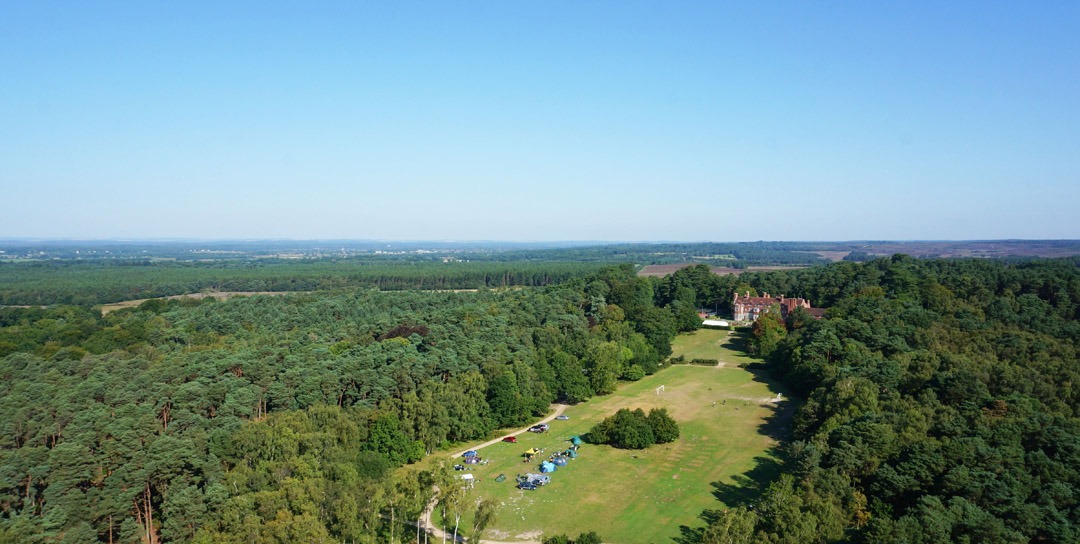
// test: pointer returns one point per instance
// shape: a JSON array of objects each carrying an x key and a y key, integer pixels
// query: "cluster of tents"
[
  {"x": 559, "y": 459},
  {"x": 472, "y": 457}
]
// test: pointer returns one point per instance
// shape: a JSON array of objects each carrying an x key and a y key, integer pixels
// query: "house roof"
[{"x": 757, "y": 301}]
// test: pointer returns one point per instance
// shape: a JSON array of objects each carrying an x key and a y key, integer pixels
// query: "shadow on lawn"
[
  {"x": 746, "y": 488},
  {"x": 739, "y": 341}
]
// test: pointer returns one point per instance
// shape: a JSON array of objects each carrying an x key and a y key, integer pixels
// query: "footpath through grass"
[{"x": 641, "y": 496}]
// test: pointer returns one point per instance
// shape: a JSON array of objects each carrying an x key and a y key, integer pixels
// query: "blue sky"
[{"x": 529, "y": 121}]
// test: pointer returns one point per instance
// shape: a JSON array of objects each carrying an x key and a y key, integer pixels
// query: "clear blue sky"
[{"x": 540, "y": 120}]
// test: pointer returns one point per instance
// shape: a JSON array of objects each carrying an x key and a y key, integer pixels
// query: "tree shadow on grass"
[
  {"x": 745, "y": 489},
  {"x": 739, "y": 341}
]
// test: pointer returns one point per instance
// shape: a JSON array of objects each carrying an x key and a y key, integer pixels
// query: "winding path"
[
  {"x": 438, "y": 533},
  {"x": 559, "y": 408}
]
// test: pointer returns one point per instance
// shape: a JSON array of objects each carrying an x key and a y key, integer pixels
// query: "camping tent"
[
  {"x": 467, "y": 477},
  {"x": 575, "y": 440},
  {"x": 500, "y": 478},
  {"x": 561, "y": 461},
  {"x": 473, "y": 460},
  {"x": 571, "y": 454},
  {"x": 547, "y": 467},
  {"x": 531, "y": 451}
]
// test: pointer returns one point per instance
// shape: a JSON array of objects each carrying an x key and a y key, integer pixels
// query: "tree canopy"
[
  {"x": 281, "y": 418},
  {"x": 940, "y": 405}
]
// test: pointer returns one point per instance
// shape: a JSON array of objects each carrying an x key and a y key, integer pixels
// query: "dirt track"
[
  {"x": 438, "y": 533},
  {"x": 221, "y": 295}
]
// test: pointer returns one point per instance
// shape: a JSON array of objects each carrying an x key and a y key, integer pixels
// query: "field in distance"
[
  {"x": 630, "y": 496},
  {"x": 661, "y": 270},
  {"x": 220, "y": 295}
]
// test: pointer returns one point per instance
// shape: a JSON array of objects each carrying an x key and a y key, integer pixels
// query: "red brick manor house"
[{"x": 748, "y": 308}]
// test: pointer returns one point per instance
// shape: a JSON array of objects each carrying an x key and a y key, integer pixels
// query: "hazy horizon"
[{"x": 599, "y": 122}]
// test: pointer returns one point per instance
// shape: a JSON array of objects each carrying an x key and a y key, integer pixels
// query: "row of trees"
[{"x": 940, "y": 406}]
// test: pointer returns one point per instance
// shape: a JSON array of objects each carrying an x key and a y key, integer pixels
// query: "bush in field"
[
  {"x": 705, "y": 362},
  {"x": 584, "y": 538},
  {"x": 664, "y": 428},
  {"x": 635, "y": 430}
]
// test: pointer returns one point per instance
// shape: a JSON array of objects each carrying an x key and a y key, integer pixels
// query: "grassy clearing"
[
  {"x": 711, "y": 344},
  {"x": 640, "y": 496}
]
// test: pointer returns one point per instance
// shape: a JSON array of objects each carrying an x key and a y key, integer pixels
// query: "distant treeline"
[
  {"x": 725, "y": 254},
  {"x": 99, "y": 282},
  {"x": 738, "y": 255}
]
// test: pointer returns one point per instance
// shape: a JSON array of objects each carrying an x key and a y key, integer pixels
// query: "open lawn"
[
  {"x": 711, "y": 344},
  {"x": 640, "y": 496}
]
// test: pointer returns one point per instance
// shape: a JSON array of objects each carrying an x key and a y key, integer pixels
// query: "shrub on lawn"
[
  {"x": 634, "y": 430},
  {"x": 584, "y": 538}
]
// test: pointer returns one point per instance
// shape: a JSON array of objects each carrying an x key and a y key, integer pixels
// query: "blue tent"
[
  {"x": 571, "y": 454},
  {"x": 547, "y": 466},
  {"x": 560, "y": 461},
  {"x": 575, "y": 440}
]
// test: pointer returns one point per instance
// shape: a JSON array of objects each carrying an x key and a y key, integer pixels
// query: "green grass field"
[
  {"x": 641, "y": 496},
  {"x": 711, "y": 344}
]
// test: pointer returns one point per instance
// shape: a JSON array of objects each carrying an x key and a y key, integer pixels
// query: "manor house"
[{"x": 748, "y": 308}]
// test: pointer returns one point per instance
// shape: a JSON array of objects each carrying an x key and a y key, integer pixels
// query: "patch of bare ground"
[
  {"x": 220, "y": 295},
  {"x": 833, "y": 256},
  {"x": 661, "y": 270}
]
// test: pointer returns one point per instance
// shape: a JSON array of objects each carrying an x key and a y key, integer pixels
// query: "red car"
[{"x": 511, "y": 439}]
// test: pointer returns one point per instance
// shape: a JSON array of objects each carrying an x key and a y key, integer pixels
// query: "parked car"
[
  {"x": 538, "y": 428},
  {"x": 562, "y": 418},
  {"x": 470, "y": 453},
  {"x": 527, "y": 486},
  {"x": 510, "y": 439}
]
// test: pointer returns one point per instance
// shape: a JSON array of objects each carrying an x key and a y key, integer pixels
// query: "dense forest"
[
  {"x": 98, "y": 282},
  {"x": 279, "y": 419},
  {"x": 941, "y": 405},
  {"x": 938, "y": 405}
]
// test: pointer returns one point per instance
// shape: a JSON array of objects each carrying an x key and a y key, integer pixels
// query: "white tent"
[{"x": 715, "y": 323}]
